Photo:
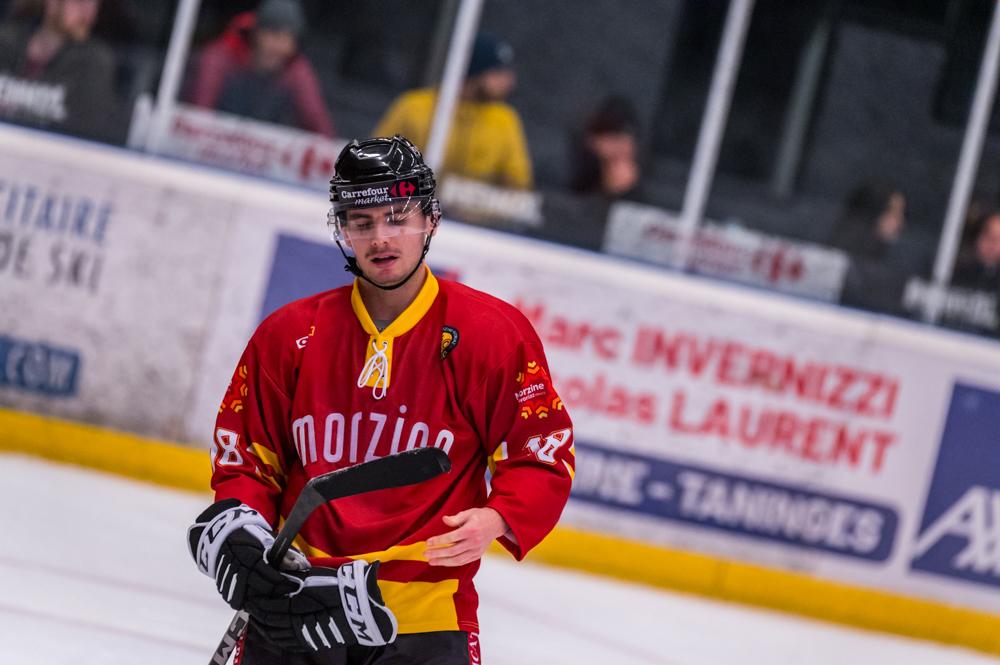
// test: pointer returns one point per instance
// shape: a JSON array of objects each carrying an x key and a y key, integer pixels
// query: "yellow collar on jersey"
[{"x": 403, "y": 323}]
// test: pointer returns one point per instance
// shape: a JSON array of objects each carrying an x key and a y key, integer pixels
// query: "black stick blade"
[{"x": 406, "y": 468}]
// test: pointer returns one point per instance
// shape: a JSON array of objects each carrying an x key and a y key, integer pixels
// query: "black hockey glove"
[
  {"x": 228, "y": 542},
  {"x": 333, "y": 607}
]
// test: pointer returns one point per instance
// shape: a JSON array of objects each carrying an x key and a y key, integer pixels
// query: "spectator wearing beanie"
[
  {"x": 255, "y": 70},
  {"x": 487, "y": 139},
  {"x": 604, "y": 158}
]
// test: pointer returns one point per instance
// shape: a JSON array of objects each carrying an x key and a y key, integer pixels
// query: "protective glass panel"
[
  {"x": 81, "y": 67},
  {"x": 970, "y": 301},
  {"x": 841, "y": 146},
  {"x": 276, "y": 88},
  {"x": 559, "y": 115}
]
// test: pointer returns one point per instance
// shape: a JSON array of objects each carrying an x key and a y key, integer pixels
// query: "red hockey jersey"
[{"x": 320, "y": 388}]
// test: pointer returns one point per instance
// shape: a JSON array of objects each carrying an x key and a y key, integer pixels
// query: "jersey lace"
[{"x": 378, "y": 364}]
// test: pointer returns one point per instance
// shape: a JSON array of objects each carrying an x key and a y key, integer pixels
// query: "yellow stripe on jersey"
[
  {"x": 422, "y": 607},
  {"x": 419, "y": 606},
  {"x": 403, "y": 323},
  {"x": 411, "y": 552},
  {"x": 499, "y": 455},
  {"x": 270, "y": 458},
  {"x": 263, "y": 475},
  {"x": 301, "y": 545}
]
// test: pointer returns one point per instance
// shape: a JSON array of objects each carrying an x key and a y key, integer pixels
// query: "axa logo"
[
  {"x": 959, "y": 533},
  {"x": 971, "y": 526}
]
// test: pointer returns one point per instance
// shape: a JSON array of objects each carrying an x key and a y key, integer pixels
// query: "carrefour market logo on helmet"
[
  {"x": 365, "y": 196},
  {"x": 378, "y": 193}
]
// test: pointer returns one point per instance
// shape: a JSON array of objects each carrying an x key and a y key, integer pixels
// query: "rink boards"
[{"x": 729, "y": 441}]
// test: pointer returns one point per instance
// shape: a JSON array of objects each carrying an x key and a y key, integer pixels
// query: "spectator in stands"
[
  {"x": 486, "y": 141},
  {"x": 979, "y": 267},
  {"x": 255, "y": 70},
  {"x": 54, "y": 74},
  {"x": 868, "y": 230},
  {"x": 604, "y": 159}
]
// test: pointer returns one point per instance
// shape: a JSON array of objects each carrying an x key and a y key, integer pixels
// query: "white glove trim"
[
  {"x": 210, "y": 542},
  {"x": 337, "y": 635},
  {"x": 357, "y": 605},
  {"x": 232, "y": 588},
  {"x": 309, "y": 639}
]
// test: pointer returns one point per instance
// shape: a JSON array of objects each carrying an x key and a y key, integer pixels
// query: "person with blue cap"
[{"x": 487, "y": 140}]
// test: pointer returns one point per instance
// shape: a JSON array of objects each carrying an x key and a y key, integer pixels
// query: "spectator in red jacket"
[{"x": 255, "y": 70}]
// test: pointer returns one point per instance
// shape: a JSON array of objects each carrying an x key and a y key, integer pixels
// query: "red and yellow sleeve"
[
  {"x": 530, "y": 439},
  {"x": 250, "y": 439}
]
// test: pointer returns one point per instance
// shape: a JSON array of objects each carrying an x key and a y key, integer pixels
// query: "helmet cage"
[{"x": 389, "y": 218}]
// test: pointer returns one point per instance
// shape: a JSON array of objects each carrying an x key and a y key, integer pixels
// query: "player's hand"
[
  {"x": 473, "y": 531},
  {"x": 228, "y": 542},
  {"x": 331, "y": 607}
]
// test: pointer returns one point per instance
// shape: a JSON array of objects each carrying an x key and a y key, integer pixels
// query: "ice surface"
[{"x": 94, "y": 570}]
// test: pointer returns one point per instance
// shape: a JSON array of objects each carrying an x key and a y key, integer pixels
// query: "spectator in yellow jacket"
[{"x": 486, "y": 141}]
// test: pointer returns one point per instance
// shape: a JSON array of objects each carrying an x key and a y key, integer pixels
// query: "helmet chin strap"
[{"x": 353, "y": 267}]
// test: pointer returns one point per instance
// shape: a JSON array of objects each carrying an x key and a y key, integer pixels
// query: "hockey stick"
[{"x": 407, "y": 468}]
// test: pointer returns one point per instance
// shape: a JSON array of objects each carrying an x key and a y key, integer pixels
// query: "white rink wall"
[{"x": 709, "y": 418}]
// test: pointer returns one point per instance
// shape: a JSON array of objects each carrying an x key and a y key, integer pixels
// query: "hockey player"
[{"x": 400, "y": 359}]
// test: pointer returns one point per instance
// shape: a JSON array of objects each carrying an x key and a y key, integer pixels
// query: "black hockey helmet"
[
  {"x": 394, "y": 164},
  {"x": 381, "y": 171}
]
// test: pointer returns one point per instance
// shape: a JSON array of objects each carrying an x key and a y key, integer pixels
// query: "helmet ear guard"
[{"x": 434, "y": 210}]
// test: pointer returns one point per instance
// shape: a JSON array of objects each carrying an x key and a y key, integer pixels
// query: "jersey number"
[
  {"x": 545, "y": 447},
  {"x": 228, "y": 441}
]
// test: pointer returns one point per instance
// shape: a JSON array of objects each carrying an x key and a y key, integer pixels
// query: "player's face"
[
  {"x": 74, "y": 18},
  {"x": 387, "y": 240},
  {"x": 890, "y": 223},
  {"x": 273, "y": 48},
  {"x": 988, "y": 242},
  {"x": 497, "y": 84}
]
